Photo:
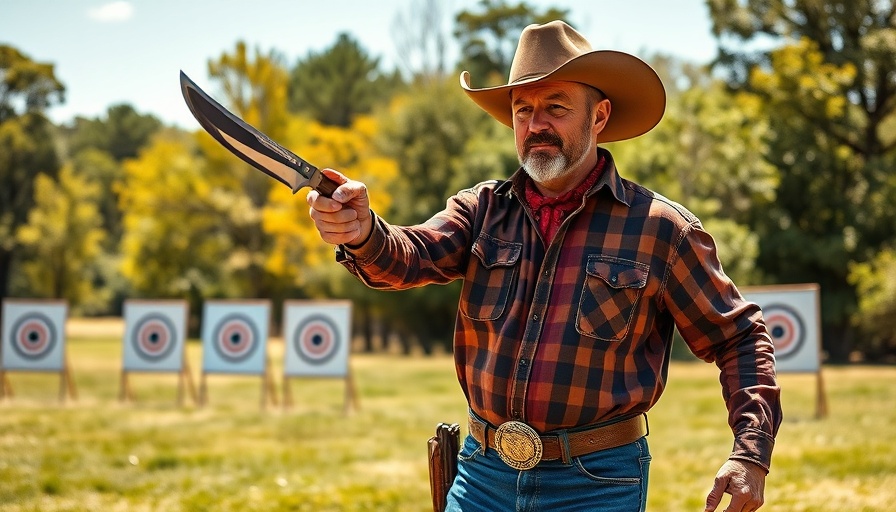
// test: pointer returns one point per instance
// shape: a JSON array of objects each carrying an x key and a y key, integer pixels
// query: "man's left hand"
[{"x": 744, "y": 481}]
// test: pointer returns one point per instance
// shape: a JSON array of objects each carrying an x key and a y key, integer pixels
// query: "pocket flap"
[
  {"x": 496, "y": 253},
  {"x": 617, "y": 273}
]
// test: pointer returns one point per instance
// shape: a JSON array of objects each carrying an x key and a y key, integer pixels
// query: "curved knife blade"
[{"x": 252, "y": 146}]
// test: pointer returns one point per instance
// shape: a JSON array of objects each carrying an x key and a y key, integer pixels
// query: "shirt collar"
[{"x": 609, "y": 178}]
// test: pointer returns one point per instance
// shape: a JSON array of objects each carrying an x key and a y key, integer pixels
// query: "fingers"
[
  {"x": 343, "y": 218},
  {"x": 745, "y": 482},
  {"x": 715, "y": 495},
  {"x": 348, "y": 190}
]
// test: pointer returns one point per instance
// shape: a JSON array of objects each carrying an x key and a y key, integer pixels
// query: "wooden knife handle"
[{"x": 326, "y": 186}]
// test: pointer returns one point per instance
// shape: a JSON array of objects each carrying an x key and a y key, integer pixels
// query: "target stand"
[
  {"x": 155, "y": 342},
  {"x": 234, "y": 341},
  {"x": 33, "y": 340},
  {"x": 792, "y": 314},
  {"x": 316, "y": 339}
]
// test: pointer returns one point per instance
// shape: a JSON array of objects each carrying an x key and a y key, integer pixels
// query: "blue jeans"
[{"x": 613, "y": 480}]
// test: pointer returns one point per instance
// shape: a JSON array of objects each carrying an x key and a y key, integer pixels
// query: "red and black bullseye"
[
  {"x": 33, "y": 336},
  {"x": 236, "y": 338},
  {"x": 153, "y": 337},
  {"x": 316, "y": 340},
  {"x": 786, "y": 327}
]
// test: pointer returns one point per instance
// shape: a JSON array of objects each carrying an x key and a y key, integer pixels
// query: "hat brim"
[{"x": 633, "y": 87}]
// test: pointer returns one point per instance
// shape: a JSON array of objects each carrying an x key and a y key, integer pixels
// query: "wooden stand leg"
[
  {"x": 124, "y": 394},
  {"x": 188, "y": 375},
  {"x": 287, "y": 393},
  {"x": 821, "y": 399},
  {"x": 203, "y": 390},
  {"x": 351, "y": 394},
  {"x": 268, "y": 388},
  {"x": 5, "y": 386},
  {"x": 66, "y": 383}
]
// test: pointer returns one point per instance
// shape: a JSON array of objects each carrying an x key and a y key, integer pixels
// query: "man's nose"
[{"x": 539, "y": 122}]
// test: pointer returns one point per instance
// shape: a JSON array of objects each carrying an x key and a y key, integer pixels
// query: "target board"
[
  {"x": 155, "y": 335},
  {"x": 791, "y": 313},
  {"x": 234, "y": 337},
  {"x": 316, "y": 338},
  {"x": 33, "y": 336}
]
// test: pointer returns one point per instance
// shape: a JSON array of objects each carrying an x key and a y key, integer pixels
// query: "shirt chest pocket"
[
  {"x": 491, "y": 278},
  {"x": 613, "y": 287}
]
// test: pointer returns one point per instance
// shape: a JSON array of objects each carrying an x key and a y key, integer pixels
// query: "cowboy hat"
[{"x": 555, "y": 51}]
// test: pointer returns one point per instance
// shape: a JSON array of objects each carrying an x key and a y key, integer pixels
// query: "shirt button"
[
  {"x": 535, "y": 317},
  {"x": 613, "y": 279},
  {"x": 524, "y": 362}
]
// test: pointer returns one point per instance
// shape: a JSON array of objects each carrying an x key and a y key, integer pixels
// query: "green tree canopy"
[
  {"x": 27, "y": 88},
  {"x": 121, "y": 133},
  {"x": 825, "y": 72},
  {"x": 339, "y": 83},
  {"x": 707, "y": 154},
  {"x": 488, "y": 38}
]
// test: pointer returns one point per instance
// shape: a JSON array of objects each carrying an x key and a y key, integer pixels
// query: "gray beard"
[{"x": 543, "y": 168}]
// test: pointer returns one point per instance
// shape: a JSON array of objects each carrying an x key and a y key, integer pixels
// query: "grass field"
[{"x": 98, "y": 454}]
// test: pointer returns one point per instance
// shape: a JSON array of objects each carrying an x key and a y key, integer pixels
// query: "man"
[{"x": 574, "y": 279}]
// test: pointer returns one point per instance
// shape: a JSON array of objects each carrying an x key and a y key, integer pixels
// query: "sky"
[{"x": 108, "y": 52}]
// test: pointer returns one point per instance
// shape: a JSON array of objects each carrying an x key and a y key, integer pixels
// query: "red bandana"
[{"x": 550, "y": 211}]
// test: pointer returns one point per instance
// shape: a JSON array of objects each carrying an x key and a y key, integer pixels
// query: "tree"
[
  {"x": 875, "y": 281},
  {"x": 298, "y": 259},
  {"x": 335, "y": 86},
  {"x": 121, "y": 133},
  {"x": 255, "y": 89},
  {"x": 420, "y": 41},
  {"x": 488, "y": 38},
  {"x": 63, "y": 240},
  {"x": 825, "y": 76},
  {"x": 707, "y": 154},
  {"x": 27, "y": 89},
  {"x": 175, "y": 244}
]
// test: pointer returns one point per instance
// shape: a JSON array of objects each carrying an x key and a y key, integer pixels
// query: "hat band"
[{"x": 530, "y": 76}]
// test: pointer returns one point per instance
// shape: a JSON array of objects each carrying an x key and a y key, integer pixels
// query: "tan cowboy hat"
[{"x": 555, "y": 51}]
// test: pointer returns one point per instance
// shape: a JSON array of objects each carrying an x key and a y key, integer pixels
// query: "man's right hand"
[{"x": 344, "y": 218}]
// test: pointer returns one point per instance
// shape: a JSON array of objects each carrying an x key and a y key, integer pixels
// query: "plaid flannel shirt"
[{"x": 580, "y": 331}]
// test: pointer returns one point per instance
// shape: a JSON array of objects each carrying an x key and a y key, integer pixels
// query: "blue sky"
[{"x": 131, "y": 51}]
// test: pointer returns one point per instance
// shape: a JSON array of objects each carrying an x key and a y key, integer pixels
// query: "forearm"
[
  {"x": 752, "y": 397},
  {"x": 396, "y": 258}
]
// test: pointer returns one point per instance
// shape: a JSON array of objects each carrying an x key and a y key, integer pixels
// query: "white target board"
[
  {"x": 316, "y": 338},
  {"x": 234, "y": 336},
  {"x": 791, "y": 313},
  {"x": 155, "y": 335},
  {"x": 34, "y": 335}
]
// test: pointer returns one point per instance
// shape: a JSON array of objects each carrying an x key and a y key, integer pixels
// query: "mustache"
[{"x": 542, "y": 138}]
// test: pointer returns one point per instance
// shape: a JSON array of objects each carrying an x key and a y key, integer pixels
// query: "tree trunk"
[{"x": 5, "y": 268}]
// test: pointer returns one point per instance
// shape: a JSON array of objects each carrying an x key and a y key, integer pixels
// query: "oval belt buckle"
[{"x": 518, "y": 445}]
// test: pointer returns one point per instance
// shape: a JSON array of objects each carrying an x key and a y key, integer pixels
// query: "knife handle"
[{"x": 326, "y": 186}]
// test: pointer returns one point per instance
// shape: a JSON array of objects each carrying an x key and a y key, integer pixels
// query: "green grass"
[{"x": 98, "y": 454}]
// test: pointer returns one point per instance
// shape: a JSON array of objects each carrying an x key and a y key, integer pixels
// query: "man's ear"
[{"x": 601, "y": 115}]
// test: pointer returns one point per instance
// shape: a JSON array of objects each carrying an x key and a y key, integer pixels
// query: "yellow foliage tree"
[
  {"x": 174, "y": 244},
  {"x": 298, "y": 256},
  {"x": 63, "y": 238}
]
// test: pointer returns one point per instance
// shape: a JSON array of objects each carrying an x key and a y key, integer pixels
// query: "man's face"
[{"x": 553, "y": 126}]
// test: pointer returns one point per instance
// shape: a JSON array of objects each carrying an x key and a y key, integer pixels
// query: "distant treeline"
[{"x": 786, "y": 150}]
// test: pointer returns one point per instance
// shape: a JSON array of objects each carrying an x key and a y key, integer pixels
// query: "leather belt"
[{"x": 522, "y": 448}]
